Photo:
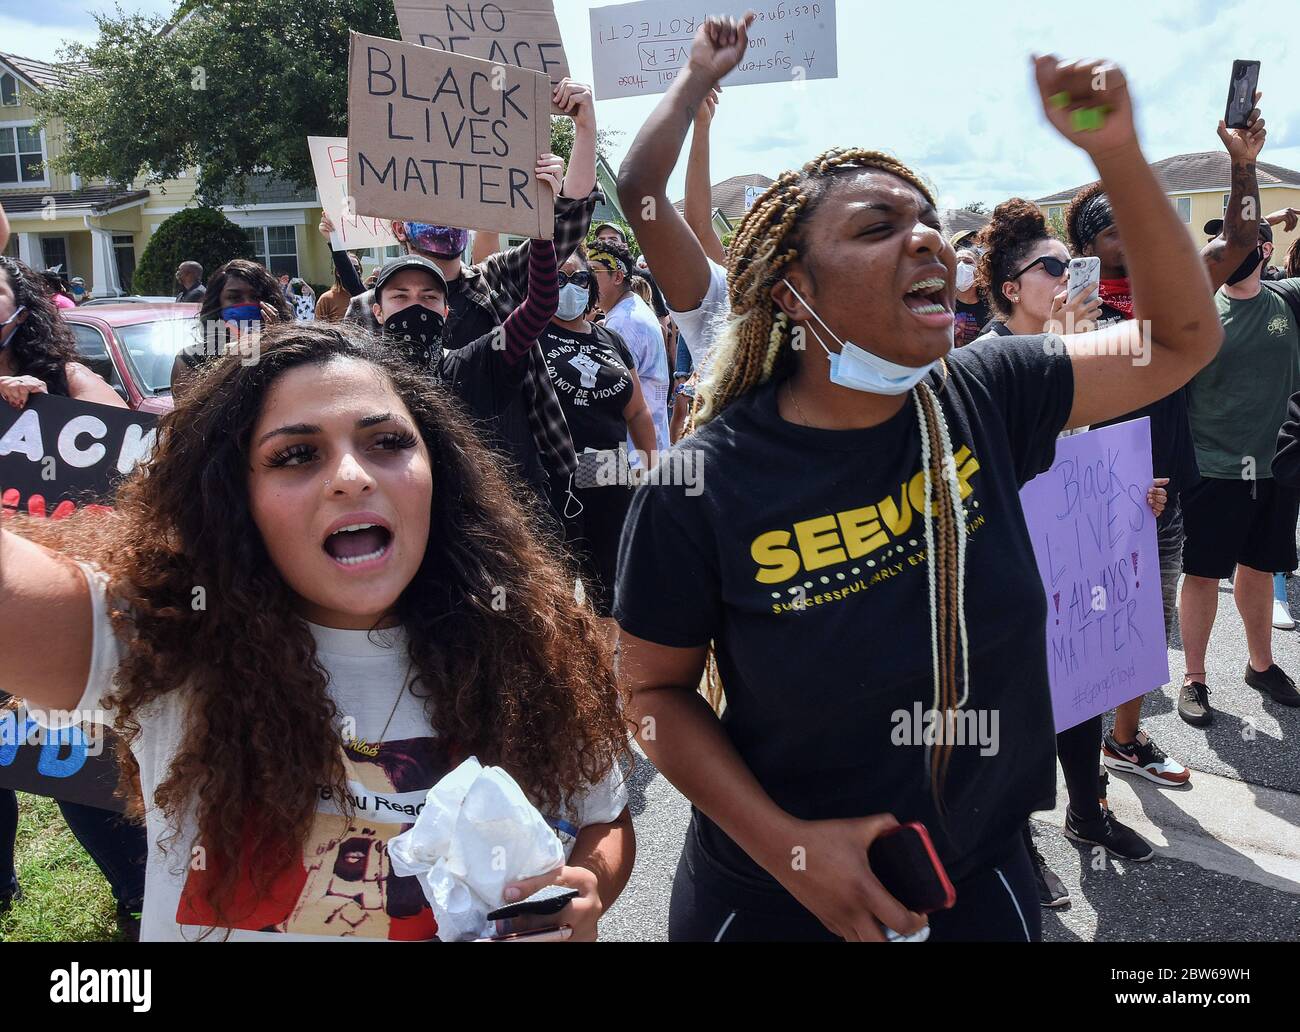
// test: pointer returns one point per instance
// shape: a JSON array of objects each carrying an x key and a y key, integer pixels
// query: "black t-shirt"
[
  {"x": 1173, "y": 452},
  {"x": 590, "y": 372},
  {"x": 970, "y": 321},
  {"x": 816, "y": 695},
  {"x": 492, "y": 390}
]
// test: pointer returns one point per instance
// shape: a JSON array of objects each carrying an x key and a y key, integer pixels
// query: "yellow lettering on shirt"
[{"x": 776, "y": 562}]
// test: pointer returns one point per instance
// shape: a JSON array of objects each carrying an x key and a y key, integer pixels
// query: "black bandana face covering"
[
  {"x": 1248, "y": 265},
  {"x": 417, "y": 331}
]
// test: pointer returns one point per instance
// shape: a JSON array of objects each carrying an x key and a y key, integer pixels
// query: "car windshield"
[{"x": 152, "y": 347}]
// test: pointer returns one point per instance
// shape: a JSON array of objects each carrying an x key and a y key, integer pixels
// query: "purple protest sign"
[{"x": 1094, "y": 538}]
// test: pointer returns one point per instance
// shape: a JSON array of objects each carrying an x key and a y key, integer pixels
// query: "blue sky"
[{"x": 977, "y": 134}]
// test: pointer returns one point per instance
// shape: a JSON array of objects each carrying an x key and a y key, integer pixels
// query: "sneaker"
[
  {"x": 129, "y": 922},
  {"x": 1144, "y": 758},
  {"x": 1108, "y": 833},
  {"x": 1282, "y": 618},
  {"x": 1275, "y": 683},
  {"x": 10, "y": 895},
  {"x": 1051, "y": 890},
  {"x": 1194, "y": 704}
]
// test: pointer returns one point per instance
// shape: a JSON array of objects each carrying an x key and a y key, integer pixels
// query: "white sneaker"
[{"x": 1282, "y": 616}]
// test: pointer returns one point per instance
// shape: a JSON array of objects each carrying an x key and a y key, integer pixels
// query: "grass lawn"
[{"x": 65, "y": 898}]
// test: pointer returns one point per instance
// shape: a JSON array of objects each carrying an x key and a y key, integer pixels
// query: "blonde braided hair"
[{"x": 755, "y": 344}]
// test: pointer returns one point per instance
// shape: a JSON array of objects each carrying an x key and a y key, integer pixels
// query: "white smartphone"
[{"x": 1085, "y": 275}]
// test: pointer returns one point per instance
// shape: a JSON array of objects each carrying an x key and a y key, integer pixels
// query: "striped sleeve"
[{"x": 525, "y": 324}]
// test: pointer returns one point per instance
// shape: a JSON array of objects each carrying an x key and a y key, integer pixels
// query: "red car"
[{"x": 134, "y": 346}]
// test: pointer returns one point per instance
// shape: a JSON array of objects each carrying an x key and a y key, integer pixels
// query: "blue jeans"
[{"x": 116, "y": 844}]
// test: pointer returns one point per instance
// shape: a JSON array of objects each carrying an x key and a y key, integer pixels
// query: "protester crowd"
[{"x": 553, "y": 502}]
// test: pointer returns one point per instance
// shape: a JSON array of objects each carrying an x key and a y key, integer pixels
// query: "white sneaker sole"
[{"x": 1127, "y": 767}]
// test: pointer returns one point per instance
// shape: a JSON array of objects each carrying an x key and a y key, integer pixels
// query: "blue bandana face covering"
[
  {"x": 860, "y": 370},
  {"x": 242, "y": 313}
]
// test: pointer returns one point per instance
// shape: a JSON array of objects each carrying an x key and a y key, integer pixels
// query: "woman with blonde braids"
[{"x": 852, "y": 546}]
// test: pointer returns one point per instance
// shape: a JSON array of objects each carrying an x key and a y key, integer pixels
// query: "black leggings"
[
  {"x": 1079, "y": 750},
  {"x": 996, "y": 904}
]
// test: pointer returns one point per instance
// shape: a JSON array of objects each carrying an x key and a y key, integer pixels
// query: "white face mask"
[
  {"x": 965, "y": 277},
  {"x": 6, "y": 337},
  {"x": 860, "y": 370},
  {"x": 573, "y": 302}
]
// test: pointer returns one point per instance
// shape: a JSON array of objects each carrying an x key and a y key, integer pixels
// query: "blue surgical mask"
[
  {"x": 5, "y": 338},
  {"x": 860, "y": 370},
  {"x": 573, "y": 302}
]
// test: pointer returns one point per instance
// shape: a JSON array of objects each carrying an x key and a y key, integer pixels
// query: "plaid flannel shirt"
[{"x": 498, "y": 285}]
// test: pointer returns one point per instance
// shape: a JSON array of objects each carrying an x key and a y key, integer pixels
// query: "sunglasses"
[
  {"x": 1054, "y": 267},
  {"x": 578, "y": 279}
]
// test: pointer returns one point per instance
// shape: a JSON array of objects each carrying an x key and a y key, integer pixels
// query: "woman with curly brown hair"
[
  {"x": 1023, "y": 274},
  {"x": 855, "y": 555},
  {"x": 37, "y": 351},
  {"x": 315, "y": 600}
]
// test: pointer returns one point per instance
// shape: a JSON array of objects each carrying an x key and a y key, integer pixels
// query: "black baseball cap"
[
  {"x": 1215, "y": 226},
  {"x": 408, "y": 261}
]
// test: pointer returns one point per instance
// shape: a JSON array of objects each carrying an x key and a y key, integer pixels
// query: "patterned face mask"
[{"x": 439, "y": 241}]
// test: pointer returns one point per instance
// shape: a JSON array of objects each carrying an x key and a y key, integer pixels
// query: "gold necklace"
[
  {"x": 364, "y": 748},
  {"x": 789, "y": 390}
]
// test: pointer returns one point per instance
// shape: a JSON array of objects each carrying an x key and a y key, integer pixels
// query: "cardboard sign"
[
  {"x": 75, "y": 763},
  {"x": 523, "y": 33},
  {"x": 1094, "y": 537},
  {"x": 352, "y": 232},
  {"x": 437, "y": 137},
  {"x": 56, "y": 453},
  {"x": 638, "y": 49}
]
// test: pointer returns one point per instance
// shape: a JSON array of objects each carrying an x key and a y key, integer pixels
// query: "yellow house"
[
  {"x": 1199, "y": 186},
  {"x": 97, "y": 230}
]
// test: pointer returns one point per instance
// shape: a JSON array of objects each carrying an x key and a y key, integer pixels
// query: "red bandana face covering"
[{"x": 1118, "y": 294}]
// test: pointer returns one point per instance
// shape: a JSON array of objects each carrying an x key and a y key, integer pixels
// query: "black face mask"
[
  {"x": 417, "y": 331},
  {"x": 1249, "y": 265}
]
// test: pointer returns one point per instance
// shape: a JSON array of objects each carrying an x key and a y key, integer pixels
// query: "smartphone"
[
  {"x": 538, "y": 935},
  {"x": 544, "y": 902},
  {"x": 1241, "y": 93},
  {"x": 906, "y": 864},
  {"x": 1085, "y": 275}
]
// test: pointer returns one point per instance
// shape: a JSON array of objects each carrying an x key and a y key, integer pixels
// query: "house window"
[
  {"x": 8, "y": 90},
  {"x": 22, "y": 154},
  {"x": 1184, "y": 206},
  {"x": 1055, "y": 211},
  {"x": 1226, "y": 197},
  {"x": 124, "y": 253},
  {"x": 54, "y": 251},
  {"x": 276, "y": 247}
]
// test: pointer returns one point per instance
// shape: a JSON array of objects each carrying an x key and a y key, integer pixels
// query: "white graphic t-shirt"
[{"x": 344, "y": 886}]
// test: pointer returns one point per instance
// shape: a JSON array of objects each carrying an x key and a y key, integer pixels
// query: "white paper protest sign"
[
  {"x": 352, "y": 232},
  {"x": 638, "y": 49}
]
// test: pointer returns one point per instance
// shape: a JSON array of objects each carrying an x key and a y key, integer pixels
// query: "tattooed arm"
[{"x": 1240, "y": 234}]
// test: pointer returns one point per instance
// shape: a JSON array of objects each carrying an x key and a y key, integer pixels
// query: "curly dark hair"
[
  {"x": 258, "y": 276},
  {"x": 42, "y": 345},
  {"x": 1072, "y": 213},
  {"x": 1016, "y": 227},
  {"x": 530, "y": 688},
  {"x": 1293, "y": 258}
]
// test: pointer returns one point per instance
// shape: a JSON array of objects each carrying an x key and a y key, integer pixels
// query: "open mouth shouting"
[
  {"x": 359, "y": 541},
  {"x": 927, "y": 299}
]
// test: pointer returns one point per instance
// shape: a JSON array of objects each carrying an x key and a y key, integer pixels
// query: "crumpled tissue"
[{"x": 476, "y": 834}]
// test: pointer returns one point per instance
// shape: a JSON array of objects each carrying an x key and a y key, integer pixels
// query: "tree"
[
  {"x": 202, "y": 235},
  {"x": 231, "y": 86},
  {"x": 976, "y": 207}
]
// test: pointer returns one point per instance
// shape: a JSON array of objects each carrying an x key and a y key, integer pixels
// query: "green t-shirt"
[{"x": 1238, "y": 402}]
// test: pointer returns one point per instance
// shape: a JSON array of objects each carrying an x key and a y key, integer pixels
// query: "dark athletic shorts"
[{"x": 1252, "y": 522}]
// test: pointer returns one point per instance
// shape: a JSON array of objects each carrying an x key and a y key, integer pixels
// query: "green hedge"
[{"x": 203, "y": 235}]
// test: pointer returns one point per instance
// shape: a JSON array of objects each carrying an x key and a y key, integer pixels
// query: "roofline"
[
  {"x": 38, "y": 88},
  {"x": 1171, "y": 193}
]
